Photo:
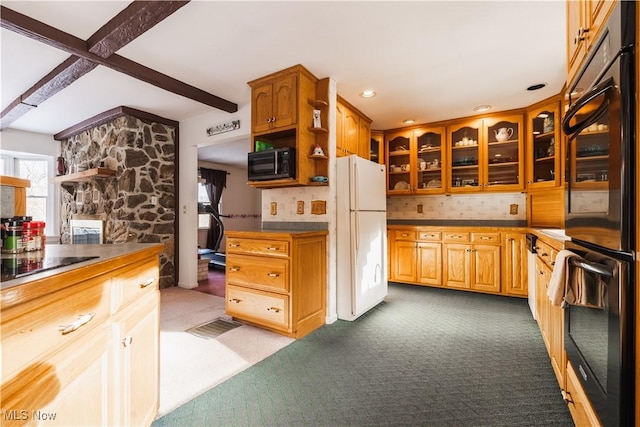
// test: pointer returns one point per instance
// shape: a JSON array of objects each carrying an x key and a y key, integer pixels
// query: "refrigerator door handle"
[
  {"x": 357, "y": 226},
  {"x": 356, "y": 187}
]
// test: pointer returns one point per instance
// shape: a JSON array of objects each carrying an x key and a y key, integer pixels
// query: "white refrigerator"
[{"x": 361, "y": 236}]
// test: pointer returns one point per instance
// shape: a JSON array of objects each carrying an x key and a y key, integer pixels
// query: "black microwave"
[{"x": 278, "y": 163}]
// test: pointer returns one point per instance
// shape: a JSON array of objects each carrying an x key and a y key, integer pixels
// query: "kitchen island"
[{"x": 80, "y": 343}]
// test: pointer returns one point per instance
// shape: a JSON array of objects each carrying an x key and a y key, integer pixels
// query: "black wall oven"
[{"x": 600, "y": 219}]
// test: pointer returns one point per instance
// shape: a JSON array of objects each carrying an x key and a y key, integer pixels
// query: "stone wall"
[{"x": 138, "y": 204}]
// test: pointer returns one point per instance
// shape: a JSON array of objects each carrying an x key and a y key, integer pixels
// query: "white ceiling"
[{"x": 426, "y": 60}]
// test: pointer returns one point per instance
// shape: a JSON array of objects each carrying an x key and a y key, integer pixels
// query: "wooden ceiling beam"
[{"x": 134, "y": 20}]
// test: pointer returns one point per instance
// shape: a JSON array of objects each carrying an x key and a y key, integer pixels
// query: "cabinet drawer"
[
  {"x": 430, "y": 236},
  {"x": 279, "y": 248},
  {"x": 258, "y": 306},
  {"x": 546, "y": 253},
  {"x": 258, "y": 272},
  {"x": 456, "y": 236},
  {"x": 403, "y": 235},
  {"x": 31, "y": 329},
  {"x": 486, "y": 238},
  {"x": 131, "y": 284}
]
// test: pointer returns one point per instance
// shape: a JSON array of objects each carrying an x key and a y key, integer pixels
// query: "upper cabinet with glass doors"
[
  {"x": 544, "y": 146},
  {"x": 415, "y": 160},
  {"x": 486, "y": 155}
]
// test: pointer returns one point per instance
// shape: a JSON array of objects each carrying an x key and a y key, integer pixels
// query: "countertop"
[{"x": 104, "y": 253}]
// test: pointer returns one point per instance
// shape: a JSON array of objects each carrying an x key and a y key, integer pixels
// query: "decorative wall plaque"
[{"x": 223, "y": 127}]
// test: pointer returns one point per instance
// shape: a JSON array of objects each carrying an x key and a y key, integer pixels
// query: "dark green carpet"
[{"x": 425, "y": 356}]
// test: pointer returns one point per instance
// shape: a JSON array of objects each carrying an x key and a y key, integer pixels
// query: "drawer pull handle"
[
  {"x": 273, "y": 274},
  {"x": 485, "y": 238},
  {"x": 273, "y": 248},
  {"x": 544, "y": 254},
  {"x": 274, "y": 309},
  {"x": 82, "y": 320},
  {"x": 455, "y": 236},
  {"x": 235, "y": 300},
  {"x": 404, "y": 235},
  {"x": 126, "y": 341},
  {"x": 235, "y": 269},
  {"x": 150, "y": 281},
  {"x": 510, "y": 239},
  {"x": 234, "y": 245}
]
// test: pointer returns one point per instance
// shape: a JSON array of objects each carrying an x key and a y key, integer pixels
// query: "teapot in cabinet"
[{"x": 503, "y": 134}]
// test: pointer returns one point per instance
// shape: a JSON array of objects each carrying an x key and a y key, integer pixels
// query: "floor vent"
[{"x": 214, "y": 328}]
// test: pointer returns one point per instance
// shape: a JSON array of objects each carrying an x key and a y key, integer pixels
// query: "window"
[
  {"x": 40, "y": 195},
  {"x": 36, "y": 171},
  {"x": 203, "y": 198}
]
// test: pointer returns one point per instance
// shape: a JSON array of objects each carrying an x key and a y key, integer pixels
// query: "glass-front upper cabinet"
[
  {"x": 399, "y": 162},
  {"x": 429, "y": 149},
  {"x": 504, "y": 162},
  {"x": 544, "y": 146},
  {"x": 465, "y": 138}
]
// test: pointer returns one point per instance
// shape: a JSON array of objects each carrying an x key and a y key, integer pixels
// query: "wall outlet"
[
  {"x": 274, "y": 208},
  {"x": 318, "y": 207},
  {"x": 300, "y": 207},
  {"x": 154, "y": 200},
  {"x": 513, "y": 209},
  {"x": 420, "y": 207}
]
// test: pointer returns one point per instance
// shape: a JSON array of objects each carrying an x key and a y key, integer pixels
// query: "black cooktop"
[{"x": 23, "y": 265}]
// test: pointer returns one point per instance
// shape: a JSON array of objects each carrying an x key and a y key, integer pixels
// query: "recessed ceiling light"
[
  {"x": 536, "y": 86},
  {"x": 408, "y": 121},
  {"x": 367, "y": 93},
  {"x": 482, "y": 108}
]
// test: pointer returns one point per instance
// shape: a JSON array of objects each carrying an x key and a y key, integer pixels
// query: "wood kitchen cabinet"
[
  {"x": 550, "y": 317},
  {"x": 584, "y": 22},
  {"x": 486, "y": 154},
  {"x": 377, "y": 147},
  {"x": 353, "y": 131},
  {"x": 274, "y": 104},
  {"x": 102, "y": 369},
  {"x": 514, "y": 264},
  {"x": 483, "y": 259},
  {"x": 282, "y": 108},
  {"x": 579, "y": 405},
  {"x": 469, "y": 264},
  {"x": 544, "y": 145},
  {"x": 415, "y": 161},
  {"x": 416, "y": 257},
  {"x": 277, "y": 280}
]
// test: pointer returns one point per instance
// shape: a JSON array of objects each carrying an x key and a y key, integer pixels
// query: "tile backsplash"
[{"x": 495, "y": 206}]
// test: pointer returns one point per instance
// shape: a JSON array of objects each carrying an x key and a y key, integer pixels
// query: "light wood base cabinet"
[
  {"x": 104, "y": 369},
  {"x": 579, "y": 405},
  {"x": 277, "y": 280}
]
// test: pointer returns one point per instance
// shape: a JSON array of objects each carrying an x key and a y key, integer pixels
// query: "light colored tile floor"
[{"x": 190, "y": 365}]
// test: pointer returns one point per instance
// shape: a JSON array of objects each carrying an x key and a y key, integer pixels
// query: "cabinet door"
[
  {"x": 403, "y": 261},
  {"x": 576, "y": 39},
  {"x": 364, "y": 139},
  {"x": 543, "y": 274},
  {"x": 136, "y": 346},
  {"x": 556, "y": 342},
  {"x": 578, "y": 402},
  {"x": 350, "y": 132},
  {"x": 486, "y": 268},
  {"x": 503, "y": 164},
  {"x": 262, "y": 108},
  {"x": 457, "y": 266},
  {"x": 543, "y": 147},
  {"x": 430, "y": 158},
  {"x": 514, "y": 264},
  {"x": 70, "y": 388},
  {"x": 430, "y": 263},
  {"x": 377, "y": 147},
  {"x": 399, "y": 162},
  {"x": 340, "y": 113},
  {"x": 285, "y": 102},
  {"x": 465, "y": 138}
]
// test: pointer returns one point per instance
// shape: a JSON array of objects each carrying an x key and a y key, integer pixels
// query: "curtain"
[{"x": 215, "y": 183}]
